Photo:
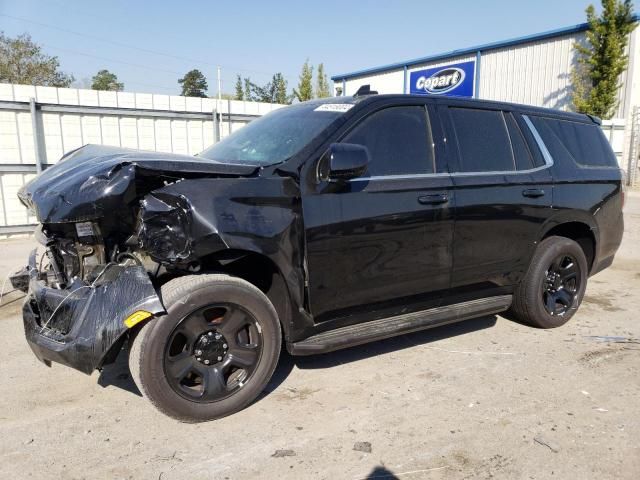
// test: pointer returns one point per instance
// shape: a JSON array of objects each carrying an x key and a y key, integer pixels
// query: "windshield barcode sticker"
[{"x": 334, "y": 107}]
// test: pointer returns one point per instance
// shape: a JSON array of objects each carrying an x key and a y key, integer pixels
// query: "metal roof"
[{"x": 471, "y": 50}]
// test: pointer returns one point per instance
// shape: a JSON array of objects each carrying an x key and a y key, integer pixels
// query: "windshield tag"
[{"x": 334, "y": 107}]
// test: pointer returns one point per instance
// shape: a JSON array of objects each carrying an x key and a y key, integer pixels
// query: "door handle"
[
  {"x": 435, "y": 199},
  {"x": 533, "y": 192}
]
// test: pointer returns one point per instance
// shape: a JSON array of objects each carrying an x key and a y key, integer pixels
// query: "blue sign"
[{"x": 455, "y": 80}]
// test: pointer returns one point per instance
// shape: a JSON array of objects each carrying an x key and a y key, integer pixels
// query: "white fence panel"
[{"x": 67, "y": 118}]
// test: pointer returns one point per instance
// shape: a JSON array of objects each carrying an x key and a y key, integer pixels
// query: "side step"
[{"x": 390, "y": 327}]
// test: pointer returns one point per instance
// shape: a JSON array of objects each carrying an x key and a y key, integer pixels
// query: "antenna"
[{"x": 365, "y": 90}]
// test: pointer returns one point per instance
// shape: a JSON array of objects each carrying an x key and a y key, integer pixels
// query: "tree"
[
  {"x": 596, "y": 76},
  {"x": 22, "y": 61},
  {"x": 304, "y": 91},
  {"x": 194, "y": 84},
  {"x": 105, "y": 80},
  {"x": 322, "y": 84},
  {"x": 247, "y": 88},
  {"x": 280, "y": 94},
  {"x": 239, "y": 89},
  {"x": 274, "y": 91}
]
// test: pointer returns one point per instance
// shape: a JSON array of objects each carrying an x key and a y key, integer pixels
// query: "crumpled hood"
[{"x": 95, "y": 179}]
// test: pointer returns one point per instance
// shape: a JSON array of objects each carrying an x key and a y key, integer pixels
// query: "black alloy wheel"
[
  {"x": 561, "y": 285},
  {"x": 212, "y": 352}
]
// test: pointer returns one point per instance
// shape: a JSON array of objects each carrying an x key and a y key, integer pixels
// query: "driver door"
[{"x": 383, "y": 239}]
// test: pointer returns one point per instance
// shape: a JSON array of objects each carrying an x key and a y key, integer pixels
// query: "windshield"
[{"x": 276, "y": 136}]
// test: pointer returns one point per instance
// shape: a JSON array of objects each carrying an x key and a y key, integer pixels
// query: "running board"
[{"x": 390, "y": 327}]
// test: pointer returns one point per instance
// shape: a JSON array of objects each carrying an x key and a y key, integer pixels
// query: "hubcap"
[
  {"x": 211, "y": 348},
  {"x": 213, "y": 352},
  {"x": 561, "y": 285}
]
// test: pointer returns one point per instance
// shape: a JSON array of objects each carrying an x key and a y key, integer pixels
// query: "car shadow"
[
  {"x": 118, "y": 375},
  {"x": 362, "y": 352},
  {"x": 393, "y": 344}
]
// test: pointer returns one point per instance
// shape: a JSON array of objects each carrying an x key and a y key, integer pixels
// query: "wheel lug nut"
[
  {"x": 219, "y": 358},
  {"x": 206, "y": 362},
  {"x": 210, "y": 333},
  {"x": 198, "y": 359},
  {"x": 198, "y": 352},
  {"x": 218, "y": 336},
  {"x": 224, "y": 345}
]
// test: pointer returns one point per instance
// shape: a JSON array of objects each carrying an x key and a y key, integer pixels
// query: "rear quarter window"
[{"x": 583, "y": 143}]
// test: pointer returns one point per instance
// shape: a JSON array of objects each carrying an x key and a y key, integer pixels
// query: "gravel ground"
[{"x": 488, "y": 398}]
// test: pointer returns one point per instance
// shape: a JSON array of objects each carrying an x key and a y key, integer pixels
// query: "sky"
[{"x": 150, "y": 44}]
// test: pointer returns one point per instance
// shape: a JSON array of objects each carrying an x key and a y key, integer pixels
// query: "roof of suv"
[{"x": 370, "y": 98}]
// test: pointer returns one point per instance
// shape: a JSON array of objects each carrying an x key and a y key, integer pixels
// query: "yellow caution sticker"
[{"x": 136, "y": 317}]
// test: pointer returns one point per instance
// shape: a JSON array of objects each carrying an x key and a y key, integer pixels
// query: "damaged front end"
[
  {"x": 117, "y": 223},
  {"x": 80, "y": 323}
]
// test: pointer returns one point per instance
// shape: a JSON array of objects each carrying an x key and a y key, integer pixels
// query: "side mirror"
[{"x": 345, "y": 161}]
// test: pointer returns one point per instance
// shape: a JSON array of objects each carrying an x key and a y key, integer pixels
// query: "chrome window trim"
[{"x": 548, "y": 160}]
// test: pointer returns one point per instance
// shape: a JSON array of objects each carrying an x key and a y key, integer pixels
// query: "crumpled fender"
[{"x": 188, "y": 220}]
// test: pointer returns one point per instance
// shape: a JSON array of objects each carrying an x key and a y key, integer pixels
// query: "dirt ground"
[{"x": 487, "y": 398}]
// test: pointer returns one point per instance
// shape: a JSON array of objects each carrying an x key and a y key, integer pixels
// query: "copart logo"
[{"x": 442, "y": 81}]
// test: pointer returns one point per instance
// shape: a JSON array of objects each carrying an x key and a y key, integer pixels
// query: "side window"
[
  {"x": 521, "y": 152},
  {"x": 399, "y": 140},
  {"x": 483, "y": 140},
  {"x": 583, "y": 143}
]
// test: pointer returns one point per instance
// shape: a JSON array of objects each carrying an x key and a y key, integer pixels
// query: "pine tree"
[
  {"x": 304, "y": 91},
  {"x": 596, "y": 77},
  {"x": 280, "y": 89},
  {"x": 322, "y": 84},
  {"x": 247, "y": 89},
  {"x": 239, "y": 89},
  {"x": 194, "y": 84}
]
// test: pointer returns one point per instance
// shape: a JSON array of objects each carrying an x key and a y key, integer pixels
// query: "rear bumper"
[{"x": 79, "y": 325}]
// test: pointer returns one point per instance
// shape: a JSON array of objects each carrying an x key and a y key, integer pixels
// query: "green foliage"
[
  {"x": 596, "y": 77},
  {"x": 239, "y": 89},
  {"x": 105, "y": 80},
  {"x": 304, "y": 91},
  {"x": 22, "y": 61},
  {"x": 279, "y": 85},
  {"x": 274, "y": 91},
  {"x": 194, "y": 84},
  {"x": 322, "y": 83}
]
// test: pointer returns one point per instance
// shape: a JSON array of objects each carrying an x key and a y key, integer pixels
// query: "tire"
[
  {"x": 540, "y": 292},
  {"x": 239, "y": 364}
]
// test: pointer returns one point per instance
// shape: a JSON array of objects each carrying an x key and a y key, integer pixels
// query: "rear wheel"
[
  {"x": 212, "y": 353},
  {"x": 554, "y": 285}
]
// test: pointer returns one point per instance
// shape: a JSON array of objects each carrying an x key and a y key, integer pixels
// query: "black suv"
[{"x": 322, "y": 225}]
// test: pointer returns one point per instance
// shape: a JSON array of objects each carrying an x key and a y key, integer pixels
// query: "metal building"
[{"x": 534, "y": 70}]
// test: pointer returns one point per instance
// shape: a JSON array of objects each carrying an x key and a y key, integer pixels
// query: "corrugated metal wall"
[
  {"x": 534, "y": 73},
  {"x": 62, "y": 132}
]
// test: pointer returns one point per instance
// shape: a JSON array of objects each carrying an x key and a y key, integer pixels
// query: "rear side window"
[
  {"x": 483, "y": 140},
  {"x": 583, "y": 143},
  {"x": 399, "y": 141}
]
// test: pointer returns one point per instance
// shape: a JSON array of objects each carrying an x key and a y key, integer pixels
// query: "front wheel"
[
  {"x": 212, "y": 353},
  {"x": 553, "y": 288}
]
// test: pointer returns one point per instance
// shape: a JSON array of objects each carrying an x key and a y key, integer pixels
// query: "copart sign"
[{"x": 456, "y": 80}]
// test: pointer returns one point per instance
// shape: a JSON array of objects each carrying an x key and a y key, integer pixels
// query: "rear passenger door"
[{"x": 502, "y": 186}]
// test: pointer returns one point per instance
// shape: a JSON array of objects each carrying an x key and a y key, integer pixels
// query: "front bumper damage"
[{"x": 79, "y": 325}]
